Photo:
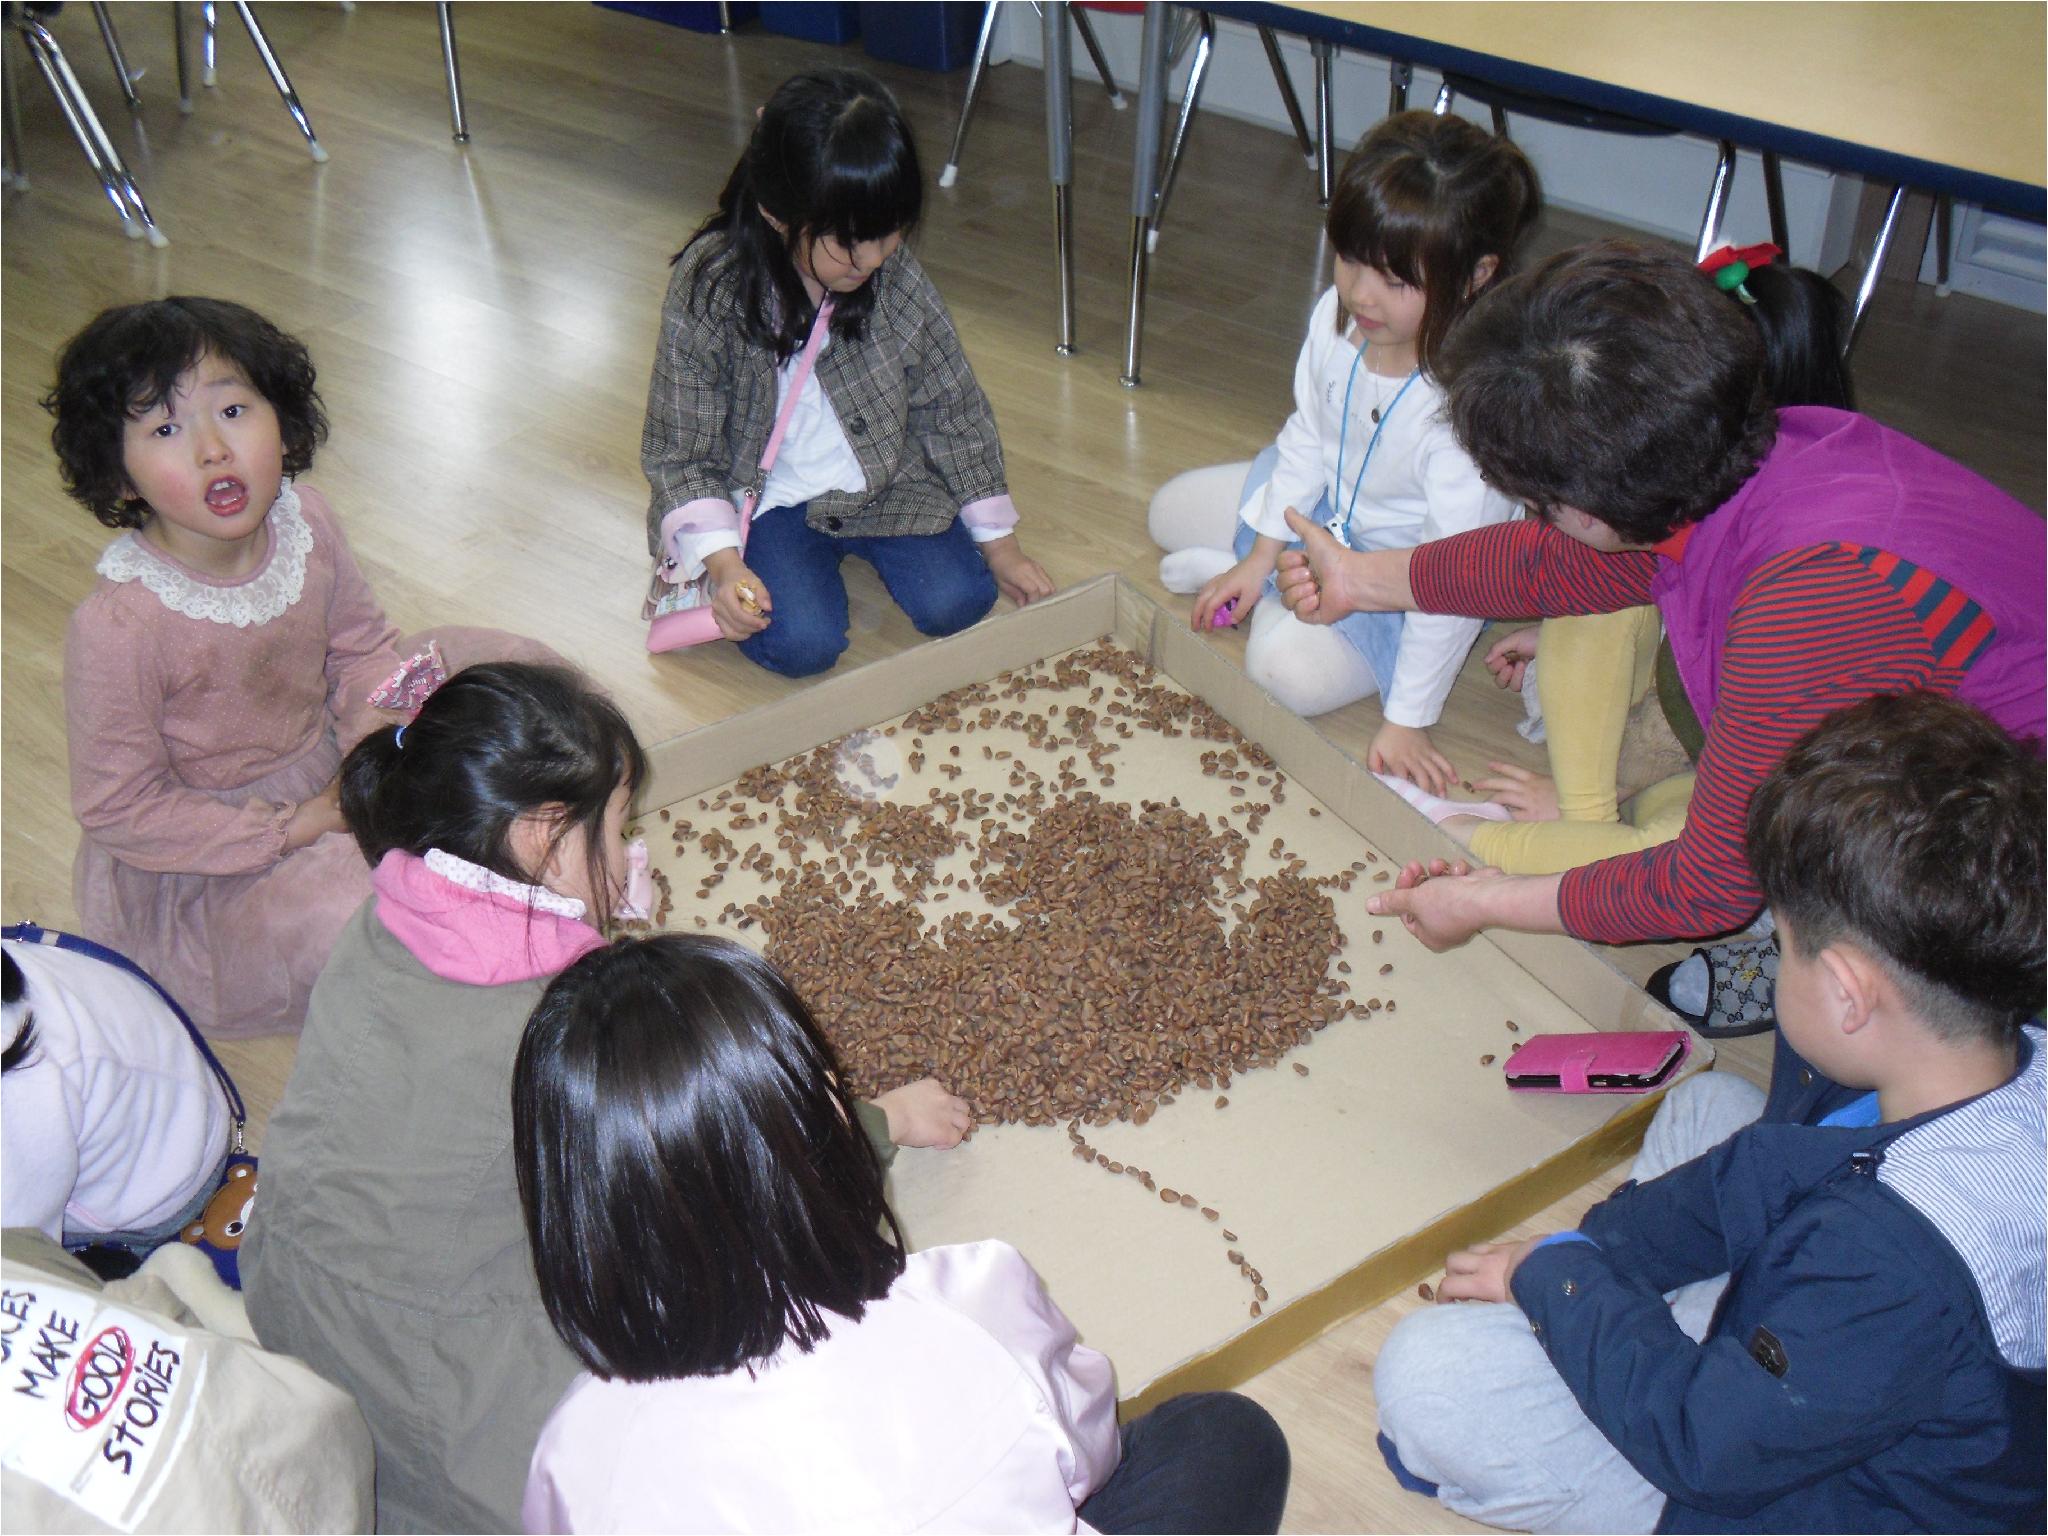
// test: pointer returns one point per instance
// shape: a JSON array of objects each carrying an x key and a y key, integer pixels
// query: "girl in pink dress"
[{"x": 222, "y": 664}]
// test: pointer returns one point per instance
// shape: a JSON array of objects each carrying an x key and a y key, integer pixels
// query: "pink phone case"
[{"x": 1632, "y": 1061}]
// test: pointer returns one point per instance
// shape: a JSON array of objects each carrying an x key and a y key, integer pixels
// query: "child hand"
[
  {"x": 313, "y": 819},
  {"x": 739, "y": 598},
  {"x": 1531, "y": 796},
  {"x": 924, "y": 1114},
  {"x": 1242, "y": 584},
  {"x": 1019, "y": 577},
  {"x": 1509, "y": 657},
  {"x": 1408, "y": 751},
  {"x": 1484, "y": 1271}
]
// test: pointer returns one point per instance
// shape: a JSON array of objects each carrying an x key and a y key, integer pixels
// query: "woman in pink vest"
[{"x": 1802, "y": 560}]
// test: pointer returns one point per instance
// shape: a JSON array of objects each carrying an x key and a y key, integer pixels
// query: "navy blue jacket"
[{"x": 1851, "y": 1381}]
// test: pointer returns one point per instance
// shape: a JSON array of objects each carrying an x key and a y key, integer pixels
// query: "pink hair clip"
[{"x": 413, "y": 683}]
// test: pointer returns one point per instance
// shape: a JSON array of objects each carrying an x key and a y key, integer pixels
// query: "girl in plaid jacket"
[{"x": 891, "y": 450}]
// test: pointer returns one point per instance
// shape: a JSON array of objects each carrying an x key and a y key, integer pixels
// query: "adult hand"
[
  {"x": 1530, "y": 796},
  {"x": 739, "y": 598},
  {"x": 924, "y": 1114},
  {"x": 1484, "y": 1272},
  {"x": 1312, "y": 578},
  {"x": 1508, "y": 658},
  {"x": 1437, "y": 903},
  {"x": 1408, "y": 751},
  {"x": 1019, "y": 577}
]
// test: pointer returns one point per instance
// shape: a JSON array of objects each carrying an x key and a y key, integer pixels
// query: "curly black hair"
[
  {"x": 1616, "y": 379},
  {"x": 130, "y": 358}
]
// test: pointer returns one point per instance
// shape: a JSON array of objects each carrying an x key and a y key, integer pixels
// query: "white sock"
[
  {"x": 1530, "y": 727},
  {"x": 1190, "y": 570},
  {"x": 1689, "y": 986}
]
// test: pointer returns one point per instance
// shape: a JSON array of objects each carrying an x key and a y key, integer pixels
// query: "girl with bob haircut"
[
  {"x": 389, "y": 1253},
  {"x": 222, "y": 664},
  {"x": 713, "y": 1241},
  {"x": 890, "y": 450},
  {"x": 1427, "y": 212}
]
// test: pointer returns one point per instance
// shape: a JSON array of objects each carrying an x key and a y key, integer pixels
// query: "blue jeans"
[
  {"x": 939, "y": 579},
  {"x": 1375, "y": 636},
  {"x": 1204, "y": 1461}
]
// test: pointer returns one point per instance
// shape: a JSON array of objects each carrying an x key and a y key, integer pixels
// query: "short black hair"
[
  {"x": 129, "y": 359},
  {"x": 697, "y": 1188},
  {"x": 1616, "y": 379},
  {"x": 493, "y": 743},
  {"x": 24, "y": 1041},
  {"x": 1427, "y": 198},
  {"x": 1912, "y": 826},
  {"x": 831, "y": 154}
]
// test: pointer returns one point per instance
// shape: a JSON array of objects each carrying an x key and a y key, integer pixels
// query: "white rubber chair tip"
[
  {"x": 949, "y": 175},
  {"x": 185, "y": 105},
  {"x": 206, "y": 77},
  {"x": 1151, "y": 241},
  {"x": 313, "y": 148},
  {"x": 1311, "y": 159},
  {"x": 130, "y": 228},
  {"x": 1119, "y": 100},
  {"x": 158, "y": 238}
]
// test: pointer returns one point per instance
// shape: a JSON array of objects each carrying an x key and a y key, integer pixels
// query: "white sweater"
[
  {"x": 1418, "y": 486},
  {"x": 115, "y": 1121}
]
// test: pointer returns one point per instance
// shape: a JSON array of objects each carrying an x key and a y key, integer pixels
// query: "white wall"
[{"x": 1654, "y": 184}]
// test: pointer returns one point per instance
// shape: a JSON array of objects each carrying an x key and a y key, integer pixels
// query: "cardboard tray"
[{"x": 1342, "y": 1187}]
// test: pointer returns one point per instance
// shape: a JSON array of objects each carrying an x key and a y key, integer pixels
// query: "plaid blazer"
[{"x": 904, "y": 394}]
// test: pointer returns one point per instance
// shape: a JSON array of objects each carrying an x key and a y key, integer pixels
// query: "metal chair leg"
[
  {"x": 100, "y": 153},
  {"x": 184, "y": 61},
  {"x": 112, "y": 39},
  {"x": 1944, "y": 241},
  {"x": 1205, "y": 48},
  {"x": 1288, "y": 99},
  {"x": 279, "y": 79},
  {"x": 1444, "y": 97},
  {"x": 1774, "y": 203},
  {"x": 1717, "y": 202},
  {"x": 10, "y": 122},
  {"x": 445, "y": 14},
  {"x": 1085, "y": 29},
  {"x": 1879, "y": 249},
  {"x": 980, "y": 66},
  {"x": 1059, "y": 151},
  {"x": 1399, "y": 77},
  {"x": 1500, "y": 121},
  {"x": 1326, "y": 134},
  {"x": 209, "y": 41}
]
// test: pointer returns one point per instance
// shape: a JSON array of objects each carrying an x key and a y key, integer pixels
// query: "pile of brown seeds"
[{"x": 1127, "y": 958}]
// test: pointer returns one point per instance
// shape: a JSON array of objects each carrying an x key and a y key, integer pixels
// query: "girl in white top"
[
  {"x": 711, "y": 1238},
  {"x": 1426, "y": 213}
]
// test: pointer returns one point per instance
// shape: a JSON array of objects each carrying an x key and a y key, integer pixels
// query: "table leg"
[
  {"x": 1326, "y": 168},
  {"x": 1145, "y": 176},
  {"x": 1059, "y": 144},
  {"x": 1717, "y": 202},
  {"x": 457, "y": 115},
  {"x": 1878, "y": 249}
]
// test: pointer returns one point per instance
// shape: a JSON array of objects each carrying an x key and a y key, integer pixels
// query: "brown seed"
[
  {"x": 1387, "y": 969},
  {"x": 1189, "y": 1201},
  {"x": 1170, "y": 1196},
  {"x": 1425, "y": 1292},
  {"x": 1300, "y": 1070},
  {"x": 1210, "y": 1213},
  {"x": 1487, "y": 1060},
  {"x": 1235, "y": 1257},
  {"x": 1390, "y": 1005},
  {"x": 1231, "y": 1237},
  {"x": 1514, "y": 1028},
  {"x": 1255, "y": 1309},
  {"x": 1102, "y": 1159},
  {"x": 1255, "y": 1277},
  {"x": 1116, "y": 1167},
  {"x": 1378, "y": 935},
  {"x": 1260, "y": 1292}
]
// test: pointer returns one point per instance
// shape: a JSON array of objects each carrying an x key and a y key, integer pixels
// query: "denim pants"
[
  {"x": 1204, "y": 1461},
  {"x": 939, "y": 579},
  {"x": 1375, "y": 636}
]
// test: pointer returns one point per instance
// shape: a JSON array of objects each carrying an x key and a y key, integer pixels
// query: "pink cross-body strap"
[{"x": 802, "y": 376}]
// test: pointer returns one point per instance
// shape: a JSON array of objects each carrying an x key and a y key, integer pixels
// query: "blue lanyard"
[{"x": 1344, "y": 429}]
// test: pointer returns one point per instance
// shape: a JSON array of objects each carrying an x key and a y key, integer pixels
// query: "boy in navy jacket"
[{"x": 1853, "y": 1338}]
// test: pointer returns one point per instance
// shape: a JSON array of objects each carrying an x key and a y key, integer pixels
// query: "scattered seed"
[
  {"x": 1514, "y": 1028},
  {"x": 1170, "y": 1196},
  {"x": 1260, "y": 1292},
  {"x": 1387, "y": 969},
  {"x": 1221, "y": 1101},
  {"x": 1210, "y": 1213},
  {"x": 1189, "y": 1201},
  {"x": 1487, "y": 1060},
  {"x": 1425, "y": 1292},
  {"x": 1255, "y": 1309},
  {"x": 1300, "y": 1070},
  {"x": 1231, "y": 1237}
]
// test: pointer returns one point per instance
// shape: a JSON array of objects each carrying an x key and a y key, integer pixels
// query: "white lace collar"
[
  {"x": 256, "y": 600},
  {"x": 474, "y": 877}
]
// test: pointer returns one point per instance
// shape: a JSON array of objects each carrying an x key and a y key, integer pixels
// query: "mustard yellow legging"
[{"x": 1590, "y": 671}]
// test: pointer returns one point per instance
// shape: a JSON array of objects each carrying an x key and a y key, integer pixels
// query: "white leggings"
[{"x": 1310, "y": 668}]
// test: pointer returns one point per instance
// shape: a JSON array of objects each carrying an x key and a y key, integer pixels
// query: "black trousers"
[{"x": 1204, "y": 1462}]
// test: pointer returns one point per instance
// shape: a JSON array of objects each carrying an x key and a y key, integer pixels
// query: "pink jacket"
[{"x": 961, "y": 1401}]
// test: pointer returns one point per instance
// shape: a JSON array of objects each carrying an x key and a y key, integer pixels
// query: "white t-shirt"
[
  {"x": 1418, "y": 485},
  {"x": 115, "y": 1121}
]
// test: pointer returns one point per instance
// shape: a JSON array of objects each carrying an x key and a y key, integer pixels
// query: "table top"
[{"x": 1947, "y": 96}]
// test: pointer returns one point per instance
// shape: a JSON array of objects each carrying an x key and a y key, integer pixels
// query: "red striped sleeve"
[
  {"x": 1526, "y": 567},
  {"x": 1814, "y": 631}
]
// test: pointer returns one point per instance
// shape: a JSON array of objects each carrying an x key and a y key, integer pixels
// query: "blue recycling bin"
[
  {"x": 815, "y": 23},
  {"x": 936, "y": 36}
]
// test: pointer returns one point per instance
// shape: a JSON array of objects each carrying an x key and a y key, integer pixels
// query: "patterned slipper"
[{"x": 1742, "y": 986}]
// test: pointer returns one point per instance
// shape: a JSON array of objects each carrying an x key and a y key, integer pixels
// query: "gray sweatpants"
[{"x": 1473, "y": 1404}]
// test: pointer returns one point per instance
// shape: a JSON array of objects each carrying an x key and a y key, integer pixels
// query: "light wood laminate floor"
[{"x": 483, "y": 323}]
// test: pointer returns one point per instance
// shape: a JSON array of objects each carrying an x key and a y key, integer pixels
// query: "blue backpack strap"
[{"x": 33, "y": 933}]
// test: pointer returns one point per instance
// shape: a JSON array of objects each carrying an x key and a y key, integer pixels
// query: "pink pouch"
[{"x": 1627, "y": 1061}]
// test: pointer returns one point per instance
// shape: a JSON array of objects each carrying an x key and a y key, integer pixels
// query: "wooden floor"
[{"x": 483, "y": 323}]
